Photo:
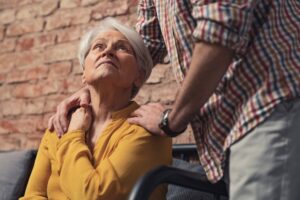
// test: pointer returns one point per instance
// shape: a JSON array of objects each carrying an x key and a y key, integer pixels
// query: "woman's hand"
[
  {"x": 81, "y": 119},
  {"x": 149, "y": 117},
  {"x": 59, "y": 121}
]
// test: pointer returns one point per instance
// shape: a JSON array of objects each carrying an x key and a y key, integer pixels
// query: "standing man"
[{"x": 239, "y": 66}]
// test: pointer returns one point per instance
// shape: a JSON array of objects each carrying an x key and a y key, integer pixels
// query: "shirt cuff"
[{"x": 216, "y": 33}]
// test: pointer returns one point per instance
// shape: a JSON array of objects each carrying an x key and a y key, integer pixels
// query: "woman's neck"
[{"x": 104, "y": 102}]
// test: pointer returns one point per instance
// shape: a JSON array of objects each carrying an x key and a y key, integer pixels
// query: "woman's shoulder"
[{"x": 139, "y": 133}]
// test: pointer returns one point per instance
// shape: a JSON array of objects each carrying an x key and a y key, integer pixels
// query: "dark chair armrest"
[{"x": 146, "y": 184}]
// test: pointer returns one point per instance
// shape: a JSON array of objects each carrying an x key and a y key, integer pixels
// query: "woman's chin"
[{"x": 100, "y": 80}]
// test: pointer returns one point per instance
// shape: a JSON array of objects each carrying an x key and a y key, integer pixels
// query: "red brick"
[
  {"x": 70, "y": 34},
  {"x": 158, "y": 73},
  {"x": 89, "y": 2},
  {"x": 73, "y": 84},
  {"x": 26, "y": 74},
  {"x": 39, "y": 40},
  {"x": 129, "y": 20},
  {"x": 45, "y": 120},
  {"x": 1, "y": 32},
  {"x": 66, "y": 17},
  {"x": 32, "y": 142},
  {"x": 7, "y": 62},
  {"x": 7, "y": 16},
  {"x": 185, "y": 138},
  {"x": 32, "y": 10},
  {"x": 25, "y": 43},
  {"x": 8, "y": 45},
  {"x": 11, "y": 107},
  {"x": 28, "y": 11},
  {"x": 9, "y": 144},
  {"x": 29, "y": 57},
  {"x": 61, "y": 69},
  {"x": 41, "y": 88},
  {"x": 69, "y": 3},
  {"x": 33, "y": 106},
  {"x": 76, "y": 67},
  {"x": 2, "y": 78},
  {"x": 26, "y": 58},
  {"x": 24, "y": 124},
  {"x": 61, "y": 52},
  {"x": 26, "y": 26},
  {"x": 143, "y": 95},
  {"x": 164, "y": 92},
  {"x": 25, "y": 2},
  {"x": 48, "y": 7},
  {"x": 105, "y": 9},
  {"x": 7, "y": 4},
  {"x": 52, "y": 102},
  {"x": 7, "y": 126},
  {"x": 20, "y": 59},
  {"x": 5, "y": 91}
]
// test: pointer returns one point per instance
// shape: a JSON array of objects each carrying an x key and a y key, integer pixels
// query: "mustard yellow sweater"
[{"x": 65, "y": 168}]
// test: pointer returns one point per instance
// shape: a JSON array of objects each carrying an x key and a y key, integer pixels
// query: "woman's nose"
[{"x": 108, "y": 51}]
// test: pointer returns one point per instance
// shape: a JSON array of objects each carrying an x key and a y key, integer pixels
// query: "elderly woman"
[{"x": 101, "y": 156}]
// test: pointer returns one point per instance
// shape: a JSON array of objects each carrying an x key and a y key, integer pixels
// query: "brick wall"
[{"x": 38, "y": 65}]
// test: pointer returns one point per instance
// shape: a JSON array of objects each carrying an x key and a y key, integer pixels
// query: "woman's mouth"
[{"x": 107, "y": 62}]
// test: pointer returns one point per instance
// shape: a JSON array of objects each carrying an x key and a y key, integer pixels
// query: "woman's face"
[{"x": 111, "y": 59}]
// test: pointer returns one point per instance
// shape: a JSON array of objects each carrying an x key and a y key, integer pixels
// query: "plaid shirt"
[{"x": 266, "y": 70}]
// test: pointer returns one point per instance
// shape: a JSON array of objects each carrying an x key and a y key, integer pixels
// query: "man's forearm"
[{"x": 209, "y": 64}]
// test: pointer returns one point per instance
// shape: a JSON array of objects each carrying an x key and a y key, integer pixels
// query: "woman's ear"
[{"x": 140, "y": 79}]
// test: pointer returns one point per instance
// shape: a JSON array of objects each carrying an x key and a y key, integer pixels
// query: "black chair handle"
[{"x": 164, "y": 174}]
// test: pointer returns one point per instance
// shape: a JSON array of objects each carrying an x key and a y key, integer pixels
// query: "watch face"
[{"x": 164, "y": 120}]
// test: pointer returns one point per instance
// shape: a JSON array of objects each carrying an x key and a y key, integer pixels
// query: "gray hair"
[{"x": 142, "y": 54}]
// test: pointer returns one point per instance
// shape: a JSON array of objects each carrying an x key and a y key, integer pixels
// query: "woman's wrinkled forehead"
[{"x": 113, "y": 36}]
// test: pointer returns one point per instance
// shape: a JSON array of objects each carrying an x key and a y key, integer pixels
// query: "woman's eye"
[
  {"x": 99, "y": 46},
  {"x": 122, "y": 47}
]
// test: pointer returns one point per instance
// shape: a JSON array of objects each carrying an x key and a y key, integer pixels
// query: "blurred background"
[{"x": 39, "y": 67}]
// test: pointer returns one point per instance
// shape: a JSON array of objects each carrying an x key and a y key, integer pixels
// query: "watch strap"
[{"x": 164, "y": 124}]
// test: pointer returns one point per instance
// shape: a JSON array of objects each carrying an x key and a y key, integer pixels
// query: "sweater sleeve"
[
  {"x": 224, "y": 22},
  {"x": 113, "y": 177},
  {"x": 37, "y": 185}
]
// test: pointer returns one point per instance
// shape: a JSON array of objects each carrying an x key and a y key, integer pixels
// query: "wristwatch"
[{"x": 164, "y": 124}]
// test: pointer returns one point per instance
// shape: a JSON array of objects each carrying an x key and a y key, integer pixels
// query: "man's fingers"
[
  {"x": 57, "y": 126},
  {"x": 139, "y": 112},
  {"x": 85, "y": 99},
  {"x": 50, "y": 124},
  {"x": 62, "y": 114},
  {"x": 134, "y": 120}
]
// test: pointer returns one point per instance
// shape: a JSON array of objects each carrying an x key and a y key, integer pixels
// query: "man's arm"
[{"x": 209, "y": 64}]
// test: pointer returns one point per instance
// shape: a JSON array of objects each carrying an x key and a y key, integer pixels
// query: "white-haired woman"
[{"x": 101, "y": 156}]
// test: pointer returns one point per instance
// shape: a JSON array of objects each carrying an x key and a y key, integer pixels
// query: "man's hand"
[
  {"x": 148, "y": 116},
  {"x": 59, "y": 121}
]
